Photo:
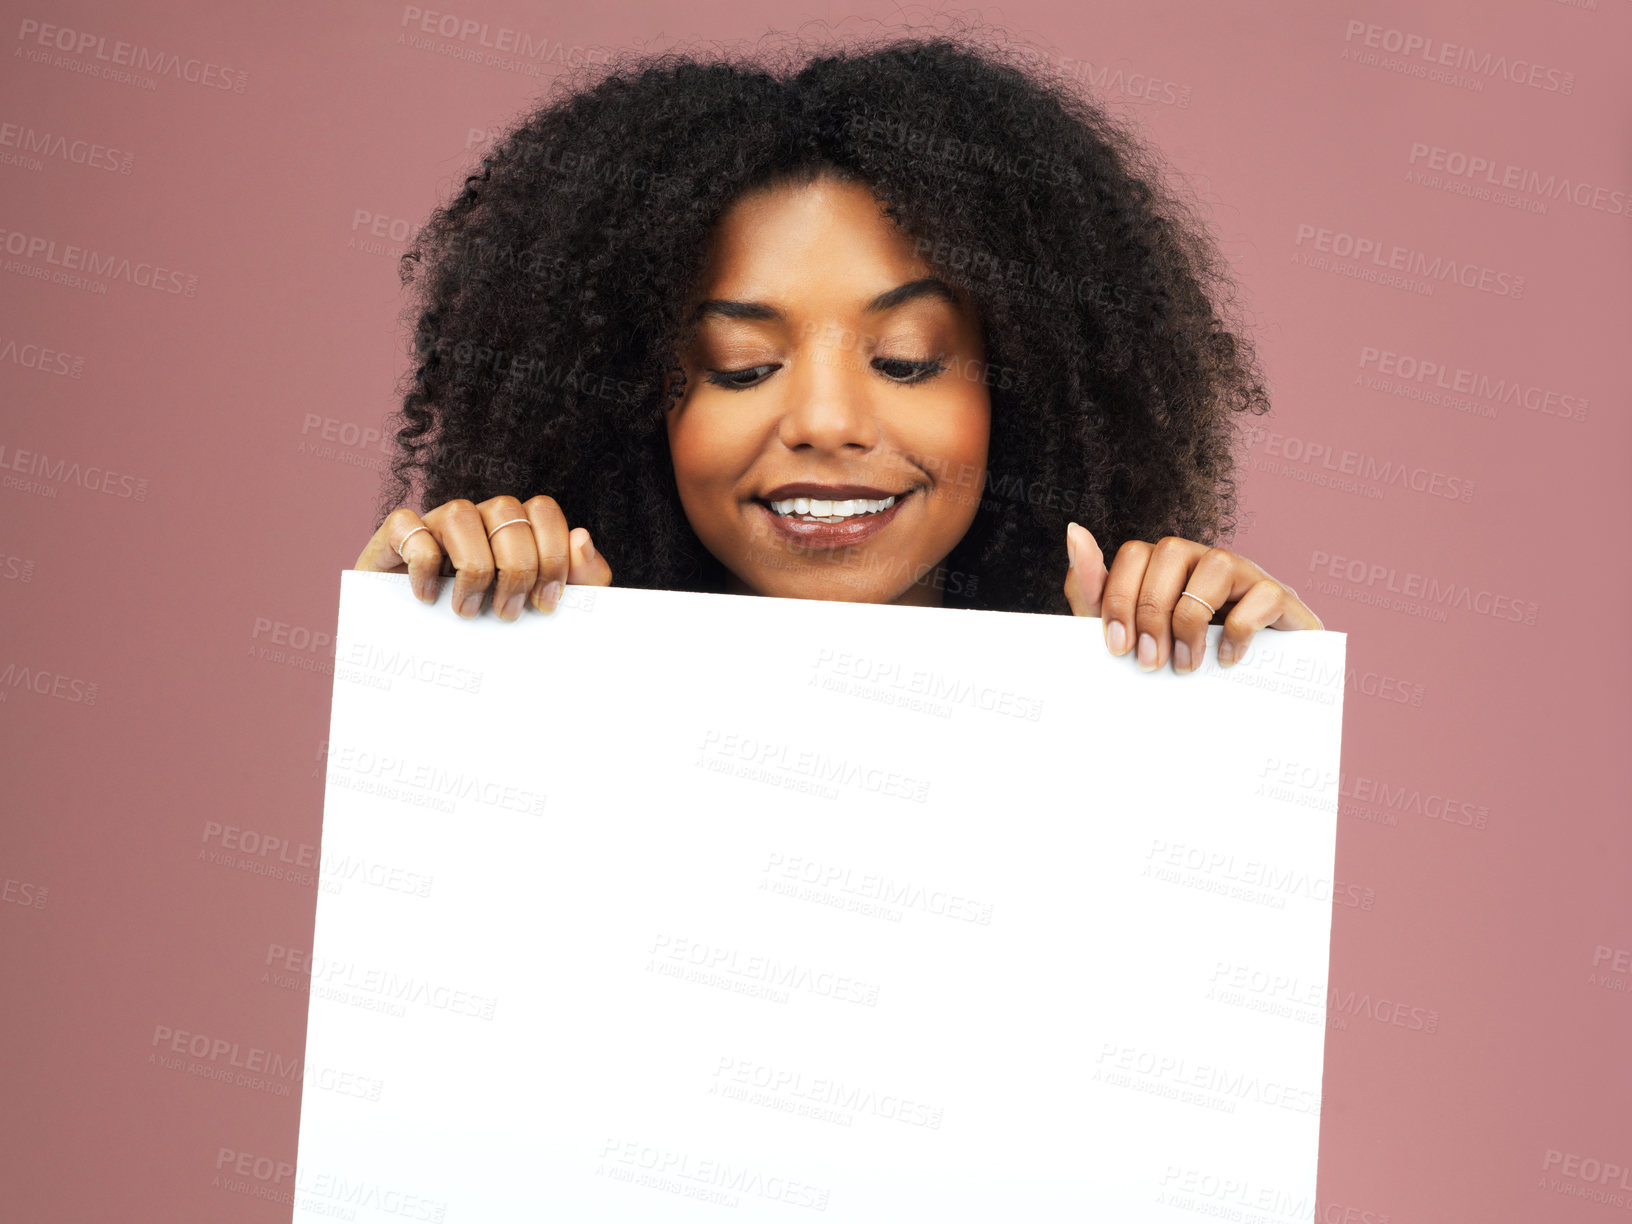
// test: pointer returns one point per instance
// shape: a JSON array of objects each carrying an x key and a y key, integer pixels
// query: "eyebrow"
[{"x": 926, "y": 286}]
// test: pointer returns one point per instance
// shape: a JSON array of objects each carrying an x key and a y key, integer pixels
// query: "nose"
[{"x": 829, "y": 405}]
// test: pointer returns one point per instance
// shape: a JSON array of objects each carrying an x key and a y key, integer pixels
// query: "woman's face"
[{"x": 829, "y": 364}]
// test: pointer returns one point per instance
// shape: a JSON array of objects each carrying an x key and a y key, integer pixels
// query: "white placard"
[{"x": 680, "y": 907}]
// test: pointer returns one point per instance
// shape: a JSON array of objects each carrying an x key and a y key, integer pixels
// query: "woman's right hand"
[{"x": 532, "y": 559}]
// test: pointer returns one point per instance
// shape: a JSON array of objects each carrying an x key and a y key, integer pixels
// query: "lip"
[{"x": 832, "y": 535}]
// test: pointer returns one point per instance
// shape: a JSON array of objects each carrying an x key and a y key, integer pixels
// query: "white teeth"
[{"x": 830, "y": 511}]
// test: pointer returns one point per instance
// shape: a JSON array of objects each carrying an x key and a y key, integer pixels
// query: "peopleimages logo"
[
  {"x": 1390, "y": 580},
  {"x": 502, "y": 40},
  {"x": 93, "y": 53},
  {"x": 72, "y": 258},
  {"x": 62, "y": 471},
  {"x": 78, "y": 151},
  {"x": 1410, "y": 261},
  {"x": 1589, "y": 1177},
  {"x": 1432, "y": 51},
  {"x": 1492, "y": 172},
  {"x": 41, "y": 357},
  {"x": 1440, "y": 376},
  {"x": 1392, "y": 471},
  {"x": 1107, "y": 78}
]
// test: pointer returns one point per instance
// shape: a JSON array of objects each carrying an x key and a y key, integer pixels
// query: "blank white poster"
[{"x": 680, "y": 907}]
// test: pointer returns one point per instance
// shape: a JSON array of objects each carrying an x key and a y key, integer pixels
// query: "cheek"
[
  {"x": 961, "y": 432},
  {"x": 709, "y": 456},
  {"x": 959, "y": 444}
]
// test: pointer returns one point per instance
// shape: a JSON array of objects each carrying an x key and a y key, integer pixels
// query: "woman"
[{"x": 890, "y": 324}]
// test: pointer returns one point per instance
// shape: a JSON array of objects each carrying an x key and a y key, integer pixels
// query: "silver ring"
[
  {"x": 506, "y": 523},
  {"x": 1201, "y": 601},
  {"x": 405, "y": 540}
]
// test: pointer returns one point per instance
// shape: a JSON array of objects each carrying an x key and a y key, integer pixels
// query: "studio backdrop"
[{"x": 1427, "y": 210}]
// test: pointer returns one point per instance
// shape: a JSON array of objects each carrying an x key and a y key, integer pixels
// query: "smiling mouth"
[
  {"x": 843, "y": 510},
  {"x": 805, "y": 532}
]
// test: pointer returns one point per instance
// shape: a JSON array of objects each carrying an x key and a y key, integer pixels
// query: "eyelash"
[{"x": 925, "y": 370}]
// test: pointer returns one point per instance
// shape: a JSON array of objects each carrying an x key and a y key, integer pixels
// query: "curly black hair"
[{"x": 551, "y": 298}]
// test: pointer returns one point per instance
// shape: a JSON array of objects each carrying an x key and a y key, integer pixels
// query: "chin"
[{"x": 815, "y": 585}]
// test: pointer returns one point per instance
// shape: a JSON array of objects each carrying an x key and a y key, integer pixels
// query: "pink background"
[{"x": 158, "y": 617}]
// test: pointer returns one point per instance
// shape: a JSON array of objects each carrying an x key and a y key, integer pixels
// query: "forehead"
[{"x": 826, "y": 238}]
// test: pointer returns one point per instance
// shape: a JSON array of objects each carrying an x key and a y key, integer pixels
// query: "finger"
[
  {"x": 589, "y": 568},
  {"x": 1318, "y": 623},
  {"x": 1212, "y": 585},
  {"x": 1085, "y": 574},
  {"x": 423, "y": 557},
  {"x": 460, "y": 529},
  {"x": 1266, "y": 604},
  {"x": 510, "y": 540},
  {"x": 1121, "y": 597},
  {"x": 550, "y": 549},
  {"x": 404, "y": 543},
  {"x": 1165, "y": 576},
  {"x": 380, "y": 554}
]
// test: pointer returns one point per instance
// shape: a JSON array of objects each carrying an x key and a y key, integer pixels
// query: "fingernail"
[
  {"x": 1071, "y": 543},
  {"x": 1147, "y": 652},
  {"x": 589, "y": 546},
  {"x": 1116, "y": 637},
  {"x": 1226, "y": 652},
  {"x": 1181, "y": 656},
  {"x": 512, "y": 606},
  {"x": 472, "y": 604},
  {"x": 552, "y": 596}
]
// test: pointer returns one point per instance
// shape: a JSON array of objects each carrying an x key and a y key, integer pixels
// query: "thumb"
[
  {"x": 586, "y": 566},
  {"x": 1085, "y": 580}
]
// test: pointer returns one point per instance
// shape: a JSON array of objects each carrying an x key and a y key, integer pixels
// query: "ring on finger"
[
  {"x": 1200, "y": 600},
  {"x": 506, "y": 523},
  {"x": 405, "y": 540}
]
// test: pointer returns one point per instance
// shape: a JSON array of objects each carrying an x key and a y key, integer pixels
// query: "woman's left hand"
[{"x": 1145, "y": 606}]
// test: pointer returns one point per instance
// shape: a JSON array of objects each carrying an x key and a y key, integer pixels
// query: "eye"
[
  {"x": 897, "y": 370},
  {"x": 740, "y": 380}
]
